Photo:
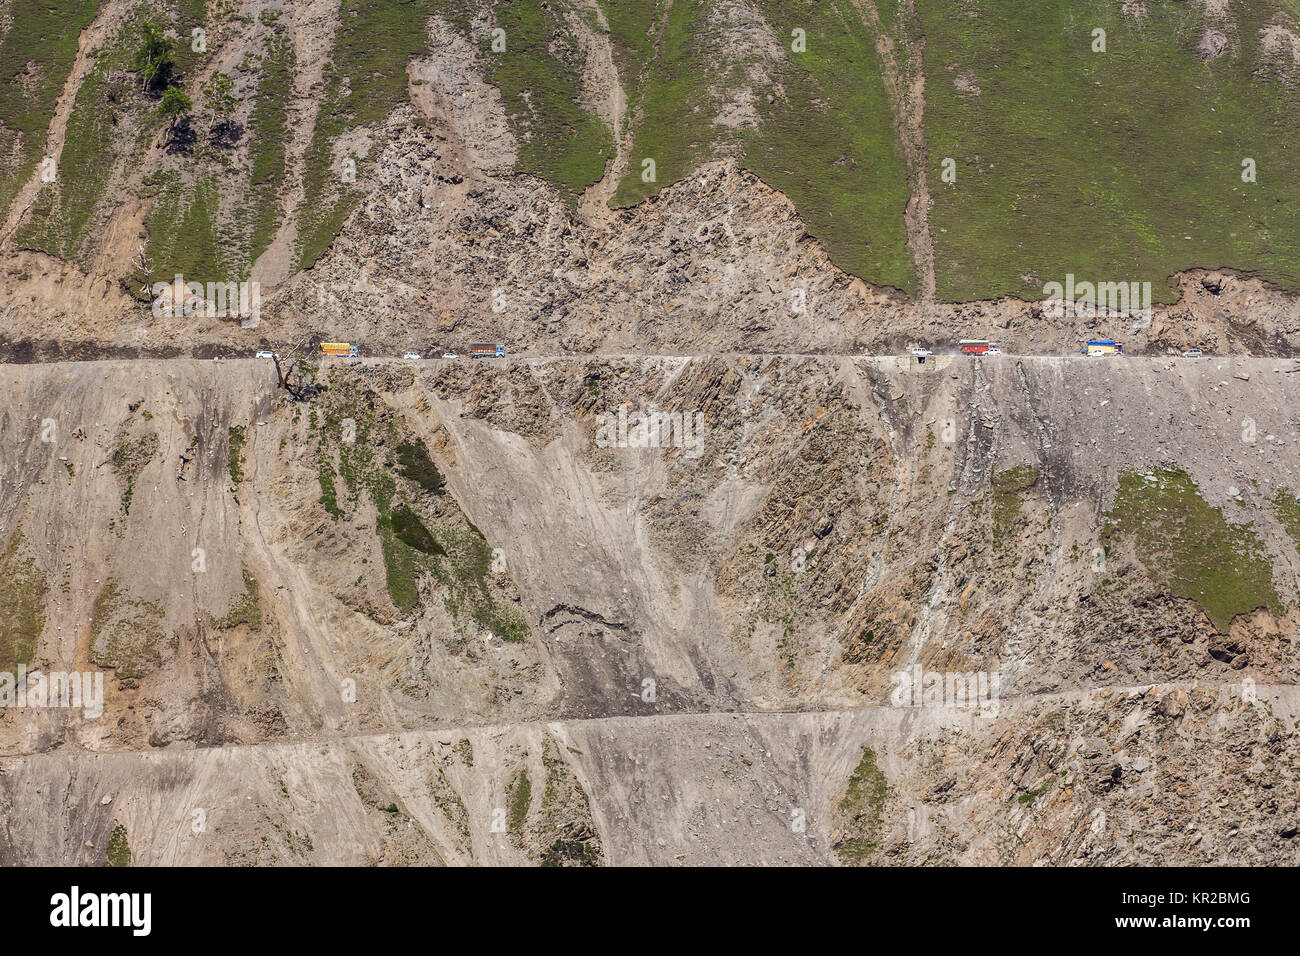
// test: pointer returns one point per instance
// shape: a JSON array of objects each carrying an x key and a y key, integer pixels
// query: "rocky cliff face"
[{"x": 440, "y": 596}]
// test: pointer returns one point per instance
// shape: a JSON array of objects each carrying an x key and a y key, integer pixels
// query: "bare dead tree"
[
  {"x": 146, "y": 270},
  {"x": 300, "y": 392}
]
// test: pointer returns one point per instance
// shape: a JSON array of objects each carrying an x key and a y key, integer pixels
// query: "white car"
[
  {"x": 993, "y": 350},
  {"x": 1192, "y": 353},
  {"x": 449, "y": 355},
  {"x": 916, "y": 350},
  {"x": 412, "y": 356},
  {"x": 265, "y": 354}
]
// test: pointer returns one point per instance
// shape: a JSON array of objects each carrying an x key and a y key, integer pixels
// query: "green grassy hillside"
[
  {"x": 1117, "y": 166},
  {"x": 36, "y": 53},
  {"x": 1120, "y": 164}
]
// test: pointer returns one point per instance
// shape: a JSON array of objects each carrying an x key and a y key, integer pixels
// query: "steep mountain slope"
[{"x": 426, "y": 563}]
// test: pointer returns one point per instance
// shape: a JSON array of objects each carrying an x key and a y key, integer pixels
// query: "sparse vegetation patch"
[
  {"x": 1189, "y": 547},
  {"x": 22, "y": 605},
  {"x": 861, "y": 810}
]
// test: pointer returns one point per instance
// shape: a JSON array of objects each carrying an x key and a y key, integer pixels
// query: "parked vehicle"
[
  {"x": 993, "y": 350},
  {"x": 265, "y": 353},
  {"x": 1192, "y": 353},
  {"x": 412, "y": 356}
]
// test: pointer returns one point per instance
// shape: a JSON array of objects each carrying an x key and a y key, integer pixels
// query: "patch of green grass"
[
  {"x": 450, "y": 803},
  {"x": 778, "y": 604},
  {"x": 565, "y": 809},
  {"x": 1189, "y": 547},
  {"x": 411, "y": 531},
  {"x": 111, "y": 122},
  {"x": 328, "y": 495},
  {"x": 1070, "y": 161},
  {"x": 61, "y": 216},
  {"x": 1027, "y": 798},
  {"x": 557, "y": 777},
  {"x": 632, "y": 26},
  {"x": 540, "y": 79},
  {"x": 119, "y": 849},
  {"x": 469, "y": 560},
  {"x": 417, "y": 466},
  {"x": 519, "y": 795},
  {"x": 268, "y": 135},
  {"x": 183, "y": 16},
  {"x": 364, "y": 81},
  {"x": 670, "y": 101},
  {"x": 402, "y": 565},
  {"x": 247, "y": 608},
  {"x": 183, "y": 232},
  {"x": 1009, "y": 489},
  {"x": 238, "y": 435},
  {"x": 36, "y": 53},
  {"x": 827, "y": 139},
  {"x": 1286, "y": 507},
  {"x": 22, "y": 606},
  {"x": 459, "y": 561},
  {"x": 861, "y": 809},
  {"x": 829, "y": 143}
]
